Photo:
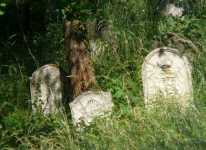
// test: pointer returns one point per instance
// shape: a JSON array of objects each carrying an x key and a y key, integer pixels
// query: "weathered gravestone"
[
  {"x": 49, "y": 89},
  {"x": 94, "y": 34},
  {"x": 175, "y": 8},
  {"x": 91, "y": 104},
  {"x": 97, "y": 33},
  {"x": 166, "y": 74}
]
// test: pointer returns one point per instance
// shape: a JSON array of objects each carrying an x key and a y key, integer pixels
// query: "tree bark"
[{"x": 80, "y": 66}]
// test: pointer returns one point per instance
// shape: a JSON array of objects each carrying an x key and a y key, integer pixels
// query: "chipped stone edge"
[
  {"x": 107, "y": 95},
  {"x": 168, "y": 49}
]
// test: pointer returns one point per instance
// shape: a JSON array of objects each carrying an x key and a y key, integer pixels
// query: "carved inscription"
[
  {"x": 167, "y": 73},
  {"x": 89, "y": 105}
]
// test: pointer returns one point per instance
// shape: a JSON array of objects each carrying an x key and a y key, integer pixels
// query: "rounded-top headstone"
[
  {"x": 49, "y": 88},
  {"x": 167, "y": 74}
]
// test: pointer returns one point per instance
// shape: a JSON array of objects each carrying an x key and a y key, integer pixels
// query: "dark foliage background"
[{"x": 135, "y": 23}]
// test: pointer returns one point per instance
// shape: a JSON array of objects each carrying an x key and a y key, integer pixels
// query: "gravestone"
[
  {"x": 97, "y": 33},
  {"x": 94, "y": 34},
  {"x": 91, "y": 104},
  {"x": 175, "y": 8},
  {"x": 166, "y": 74},
  {"x": 49, "y": 89}
]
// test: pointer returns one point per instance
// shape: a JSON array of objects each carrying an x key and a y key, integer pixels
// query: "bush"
[{"x": 131, "y": 126}]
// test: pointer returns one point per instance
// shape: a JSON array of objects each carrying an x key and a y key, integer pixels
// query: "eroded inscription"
[
  {"x": 167, "y": 73},
  {"x": 89, "y": 105}
]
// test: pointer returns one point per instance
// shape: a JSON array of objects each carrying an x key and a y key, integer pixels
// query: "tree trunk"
[{"x": 80, "y": 66}]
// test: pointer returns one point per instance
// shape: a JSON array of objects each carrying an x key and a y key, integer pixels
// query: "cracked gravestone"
[
  {"x": 166, "y": 75},
  {"x": 49, "y": 88},
  {"x": 91, "y": 104}
]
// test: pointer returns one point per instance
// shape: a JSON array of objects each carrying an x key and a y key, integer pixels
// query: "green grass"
[{"x": 130, "y": 126}]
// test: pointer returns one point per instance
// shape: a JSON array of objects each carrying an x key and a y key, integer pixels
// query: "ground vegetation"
[{"x": 32, "y": 35}]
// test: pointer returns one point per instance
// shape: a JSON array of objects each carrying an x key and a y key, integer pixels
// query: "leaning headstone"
[
  {"x": 166, "y": 74},
  {"x": 91, "y": 104},
  {"x": 97, "y": 33},
  {"x": 94, "y": 34},
  {"x": 175, "y": 8},
  {"x": 49, "y": 89}
]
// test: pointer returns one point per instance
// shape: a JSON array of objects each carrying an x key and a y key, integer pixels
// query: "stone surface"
[
  {"x": 49, "y": 88},
  {"x": 89, "y": 105},
  {"x": 174, "y": 8},
  {"x": 167, "y": 74},
  {"x": 98, "y": 33}
]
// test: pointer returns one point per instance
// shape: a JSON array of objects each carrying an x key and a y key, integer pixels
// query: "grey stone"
[
  {"x": 167, "y": 74},
  {"x": 174, "y": 8},
  {"x": 91, "y": 104},
  {"x": 49, "y": 89},
  {"x": 97, "y": 33}
]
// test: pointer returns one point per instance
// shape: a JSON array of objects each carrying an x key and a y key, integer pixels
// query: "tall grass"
[
  {"x": 136, "y": 128},
  {"x": 130, "y": 126}
]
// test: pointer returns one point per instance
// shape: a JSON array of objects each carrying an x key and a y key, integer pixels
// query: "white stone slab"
[
  {"x": 49, "y": 88},
  {"x": 91, "y": 104},
  {"x": 173, "y": 9},
  {"x": 167, "y": 73}
]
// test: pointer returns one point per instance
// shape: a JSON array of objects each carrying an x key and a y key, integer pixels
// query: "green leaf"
[
  {"x": 118, "y": 94},
  {"x": 25, "y": 76},
  {"x": 3, "y": 4},
  {"x": 130, "y": 37},
  {"x": 111, "y": 90},
  {"x": 114, "y": 81},
  {"x": 14, "y": 68},
  {"x": 1, "y": 12},
  {"x": 35, "y": 42}
]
